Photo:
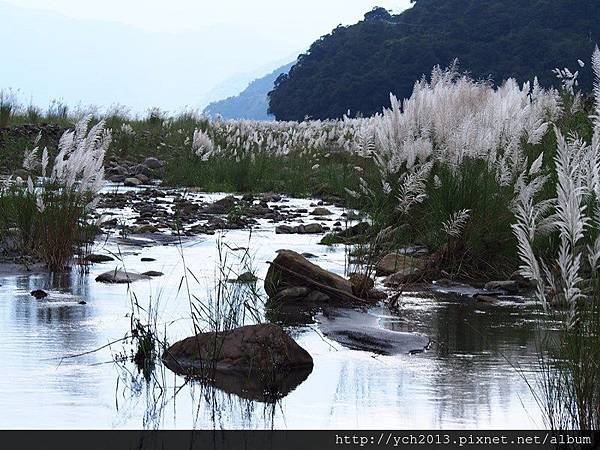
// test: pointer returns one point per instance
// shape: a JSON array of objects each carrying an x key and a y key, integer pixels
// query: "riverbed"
[{"x": 474, "y": 373}]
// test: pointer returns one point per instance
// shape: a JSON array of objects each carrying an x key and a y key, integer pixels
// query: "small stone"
[
  {"x": 320, "y": 212},
  {"x": 95, "y": 258},
  {"x": 148, "y": 259}
]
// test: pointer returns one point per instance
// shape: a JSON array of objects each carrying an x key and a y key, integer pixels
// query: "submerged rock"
[
  {"x": 120, "y": 277},
  {"x": 260, "y": 362},
  {"x": 362, "y": 331}
]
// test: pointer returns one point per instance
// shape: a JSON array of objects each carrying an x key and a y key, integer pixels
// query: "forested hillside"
[{"x": 356, "y": 67}]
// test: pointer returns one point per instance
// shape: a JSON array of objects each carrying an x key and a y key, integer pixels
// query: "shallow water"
[{"x": 468, "y": 378}]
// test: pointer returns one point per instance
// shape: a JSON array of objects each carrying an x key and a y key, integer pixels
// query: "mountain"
[
  {"x": 252, "y": 102},
  {"x": 356, "y": 67}
]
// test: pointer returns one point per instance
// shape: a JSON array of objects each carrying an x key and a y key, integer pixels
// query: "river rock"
[
  {"x": 361, "y": 283},
  {"x": 362, "y": 331},
  {"x": 153, "y": 273},
  {"x": 120, "y": 277},
  {"x": 284, "y": 229},
  {"x": 509, "y": 286},
  {"x": 290, "y": 269},
  {"x": 39, "y": 294},
  {"x": 347, "y": 235},
  {"x": 132, "y": 182},
  {"x": 311, "y": 228},
  {"x": 222, "y": 206},
  {"x": 96, "y": 258},
  {"x": 143, "y": 178},
  {"x": 248, "y": 348},
  {"x": 260, "y": 362},
  {"x": 153, "y": 163},
  {"x": 246, "y": 278},
  {"x": 270, "y": 197},
  {"x": 399, "y": 262},
  {"x": 320, "y": 212},
  {"x": 117, "y": 170}
]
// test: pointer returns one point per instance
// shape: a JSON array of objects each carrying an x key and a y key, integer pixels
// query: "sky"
[{"x": 166, "y": 53}]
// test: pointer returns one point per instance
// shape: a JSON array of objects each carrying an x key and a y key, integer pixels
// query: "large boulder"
[
  {"x": 291, "y": 269},
  {"x": 260, "y": 362}
]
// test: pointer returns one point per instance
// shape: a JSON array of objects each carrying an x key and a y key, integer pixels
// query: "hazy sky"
[
  {"x": 308, "y": 17},
  {"x": 193, "y": 50}
]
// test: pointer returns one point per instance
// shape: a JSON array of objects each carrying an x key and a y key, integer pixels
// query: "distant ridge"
[{"x": 252, "y": 102}]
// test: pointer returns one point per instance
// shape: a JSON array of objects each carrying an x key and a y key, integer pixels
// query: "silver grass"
[{"x": 454, "y": 226}]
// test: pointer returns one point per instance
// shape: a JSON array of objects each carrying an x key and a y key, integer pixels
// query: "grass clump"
[{"x": 51, "y": 218}]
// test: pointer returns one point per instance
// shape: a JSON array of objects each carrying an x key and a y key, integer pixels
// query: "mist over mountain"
[
  {"x": 252, "y": 102},
  {"x": 356, "y": 67},
  {"x": 96, "y": 62}
]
